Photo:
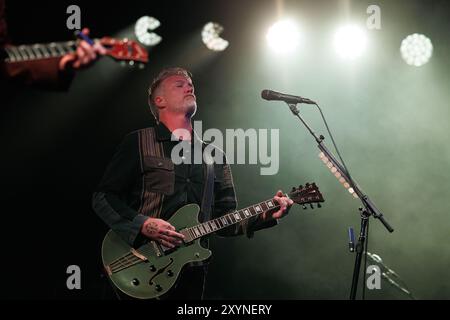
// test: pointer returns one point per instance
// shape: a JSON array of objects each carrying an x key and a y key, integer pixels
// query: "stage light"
[
  {"x": 283, "y": 36},
  {"x": 350, "y": 42},
  {"x": 143, "y": 30},
  {"x": 210, "y": 37},
  {"x": 416, "y": 49}
]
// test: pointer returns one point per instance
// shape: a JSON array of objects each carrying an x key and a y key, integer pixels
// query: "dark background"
[{"x": 390, "y": 120}]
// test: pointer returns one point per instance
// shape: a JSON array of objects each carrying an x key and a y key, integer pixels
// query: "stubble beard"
[{"x": 191, "y": 109}]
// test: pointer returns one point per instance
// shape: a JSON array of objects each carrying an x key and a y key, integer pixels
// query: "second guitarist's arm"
[{"x": 44, "y": 71}]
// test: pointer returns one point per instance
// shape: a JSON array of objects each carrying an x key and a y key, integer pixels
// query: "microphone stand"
[
  {"x": 387, "y": 273},
  {"x": 369, "y": 207}
]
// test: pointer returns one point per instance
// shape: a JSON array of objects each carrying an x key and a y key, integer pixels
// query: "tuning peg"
[
  {"x": 293, "y": 189},
  {"x": 300, "y": 186},
  {"x": 304, "y": 207},
  {"x": 319, "y": 205},
  {"x": 123, "y": 63},
  {"x": 141, "y": 66},
  {"x": 131, "y": 63},
  {"x": 311, "y": 205},
  {"x": 307, "y": 185}
]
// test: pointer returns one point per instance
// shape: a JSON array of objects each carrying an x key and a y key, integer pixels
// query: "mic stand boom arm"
[{"x": 370, "y": 208}]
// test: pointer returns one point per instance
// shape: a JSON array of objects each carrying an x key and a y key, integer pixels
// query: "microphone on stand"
[{"x": 278, "y": 96}]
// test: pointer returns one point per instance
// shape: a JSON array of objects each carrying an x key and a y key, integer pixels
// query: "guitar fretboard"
[
  {"x": 39, "y": 51},
  {"x": 227, "y": 220}
]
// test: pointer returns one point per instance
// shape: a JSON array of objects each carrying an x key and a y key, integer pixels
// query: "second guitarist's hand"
[
  {"x": 162, "y": 232},
  {"x": 84, "y": 55}
]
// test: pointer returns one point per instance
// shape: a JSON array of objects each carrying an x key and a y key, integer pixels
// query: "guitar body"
[{"x": 154, "y": 269}]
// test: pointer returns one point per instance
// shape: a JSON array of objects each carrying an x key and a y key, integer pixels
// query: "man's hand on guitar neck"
[
  {"x": 83, "y": 56},
  {"x": 285, "y": 204},
  {"x": 162, "y": 232}
]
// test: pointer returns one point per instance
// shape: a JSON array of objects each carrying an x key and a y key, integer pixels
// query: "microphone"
[{"x": 278, "y": 96}]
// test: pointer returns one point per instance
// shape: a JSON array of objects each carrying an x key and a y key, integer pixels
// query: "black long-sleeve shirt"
[
  {"x": 136, "y": 186},
  {"x": 129, "y": 178}
]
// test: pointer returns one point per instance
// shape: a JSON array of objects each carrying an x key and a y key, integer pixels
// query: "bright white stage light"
[
  {"x": 416, "y": 49},
  {"x": 350, "y": 42},
  {"x": 283, "y": 36},
  {"x": 143, "y": 30},
  {"x": 210, "y": 37}
]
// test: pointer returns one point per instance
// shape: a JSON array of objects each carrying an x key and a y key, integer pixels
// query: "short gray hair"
[{"x": 163, "y": 74}]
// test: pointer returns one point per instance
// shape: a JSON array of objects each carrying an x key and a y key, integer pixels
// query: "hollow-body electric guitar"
[{"x": 151, "y": 270}]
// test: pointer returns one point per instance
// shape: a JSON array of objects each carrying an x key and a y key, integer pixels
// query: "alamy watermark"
[
  {"x": 73, "y": 22},
  {"x": 74, "y": 279},
  {"x": 235, "y": 142},
  {"x": 374, "y": 279},
  {"x": 374, "y": 20}
]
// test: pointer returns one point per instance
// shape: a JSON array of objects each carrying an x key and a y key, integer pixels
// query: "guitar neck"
[
  {"x": 227, "y": 220},
  {"x": 38, "y": 51}
]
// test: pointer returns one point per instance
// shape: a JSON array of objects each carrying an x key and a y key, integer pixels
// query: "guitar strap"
[
  {"x": 208, "y": 189},
  {"x": 207, "y": 203},
  {"x": 151, "y": 202}
]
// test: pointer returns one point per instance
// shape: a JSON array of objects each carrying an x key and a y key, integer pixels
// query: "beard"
[
  {"x": 190, "y": 108},
  {"x": 187, "y": 107}
]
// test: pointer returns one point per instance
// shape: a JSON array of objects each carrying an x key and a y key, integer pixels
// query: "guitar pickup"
[{"x": 187, "y": 236}]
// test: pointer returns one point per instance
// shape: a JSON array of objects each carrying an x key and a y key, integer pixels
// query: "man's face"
[{"x": 177, "y": 95}]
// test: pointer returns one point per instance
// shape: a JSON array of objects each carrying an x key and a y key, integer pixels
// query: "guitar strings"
[
  {"x": 130, "y": 259},
  {"x": 194, "y": 237},
  {"x": 123, "y": 262}
]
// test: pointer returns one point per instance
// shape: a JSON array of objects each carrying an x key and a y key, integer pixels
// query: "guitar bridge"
[
  {"x": 137, "y": 254},
  {"x": 130, "y": 259}
]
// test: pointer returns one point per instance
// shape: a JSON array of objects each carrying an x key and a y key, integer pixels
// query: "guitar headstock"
[
  {"x": 307, "y": 194},
  {"x": 125, "y": 50}
]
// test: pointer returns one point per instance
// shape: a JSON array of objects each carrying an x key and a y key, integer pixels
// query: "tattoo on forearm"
[{"x": 151, "y": 228}]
